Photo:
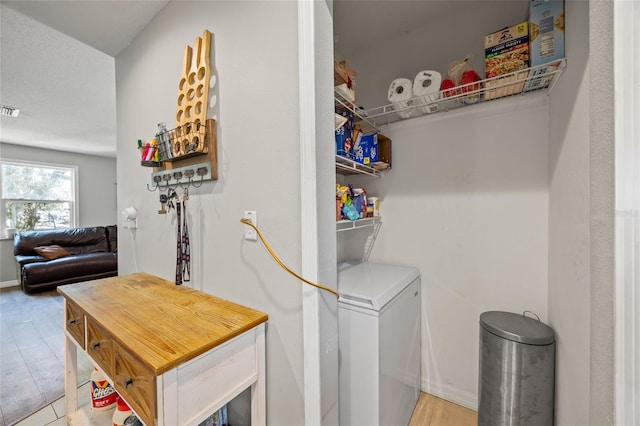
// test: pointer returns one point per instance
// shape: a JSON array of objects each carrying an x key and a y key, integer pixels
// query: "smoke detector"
[{"x": 8, "y": 111}]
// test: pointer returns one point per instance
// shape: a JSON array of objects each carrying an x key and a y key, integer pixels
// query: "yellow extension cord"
[{"x": 279, "y": 262}]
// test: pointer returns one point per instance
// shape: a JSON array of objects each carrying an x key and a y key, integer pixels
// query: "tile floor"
[
  {"x": 32, "y": 354},
  {"x": 54, "y": 414}
]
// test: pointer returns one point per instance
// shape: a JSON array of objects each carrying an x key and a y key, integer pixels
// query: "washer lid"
[
  {"x": 517, "y": 327},
  {"x": 373, "y": 285}
]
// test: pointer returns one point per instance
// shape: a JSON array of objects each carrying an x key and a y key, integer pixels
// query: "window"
[{"x": 37, "y": 196}]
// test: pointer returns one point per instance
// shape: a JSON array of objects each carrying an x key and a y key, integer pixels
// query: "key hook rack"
[{"x": 182, "y": 177}]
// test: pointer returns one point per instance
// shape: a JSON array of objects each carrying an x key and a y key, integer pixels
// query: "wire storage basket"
[
  {"x": 187, "y": 140},
  {"x": 164, "y": 146}
]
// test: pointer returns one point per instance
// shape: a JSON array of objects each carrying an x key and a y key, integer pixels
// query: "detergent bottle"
[{"x": 103, "y": 395}]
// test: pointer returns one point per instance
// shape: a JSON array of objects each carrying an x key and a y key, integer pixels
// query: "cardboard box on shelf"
[
  {"x": 365, "y": 150},
  {"x": 546, "y": 30},
  {"x": 540, "y": 77},
  {"x": 384, "y": 153},
  {"x": 344, "y": 136},
  {"x": 506, "y": 51},
  {"x": 343, "y": 74}
]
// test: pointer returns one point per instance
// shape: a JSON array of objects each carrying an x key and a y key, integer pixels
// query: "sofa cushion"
[
  {"x": 51, "y": 252},
  {"x": 69, "y": 268},
  {"x": 74, "y": 240},
  {"x": 50, "y": 285}
]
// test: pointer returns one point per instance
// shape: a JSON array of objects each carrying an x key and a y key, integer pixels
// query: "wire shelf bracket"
[{"x": 517, "y": 83}]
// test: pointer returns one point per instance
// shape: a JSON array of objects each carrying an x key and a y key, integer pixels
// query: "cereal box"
[
  {"x": 546, "y": 30},
  {"x": 506, "y": 51}
]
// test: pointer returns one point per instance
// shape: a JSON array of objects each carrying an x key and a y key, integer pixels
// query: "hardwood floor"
[
  {"x": 31, "y": 352},
  {"x": 434, "y": 411},
  {"x": 430, "y": 411},
  {"x": 32, "y": 364}
]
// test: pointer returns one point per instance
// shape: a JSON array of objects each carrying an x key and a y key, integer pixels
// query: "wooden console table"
[{"x": 176, "y": 355}]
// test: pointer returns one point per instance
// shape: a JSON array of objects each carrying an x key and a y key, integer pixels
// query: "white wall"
[
  {"x": 96, "y": 191},
  {"x": 254, "y": 51},
  {"x": 627, "y": 203},
  {"x": 569, "y": 236},
  {"x": 321, "y": 392},
  {"x": 602, "y": 207},
  {"x": 466, "y": 202},
  {"x": 8, "y": 272},
  {"x": 96, "y": 180}
]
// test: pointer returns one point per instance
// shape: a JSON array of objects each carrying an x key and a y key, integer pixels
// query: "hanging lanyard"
[
  {"x": 183, "y": 255},
  {"x": 179, "y": 243},
  {"x": 186, "y": 249}
]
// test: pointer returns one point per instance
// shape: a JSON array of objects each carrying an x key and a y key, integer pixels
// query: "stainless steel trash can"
[{"x": 517, "y": 370}]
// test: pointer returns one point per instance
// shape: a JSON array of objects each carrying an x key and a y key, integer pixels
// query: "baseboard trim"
[
  {"x": 6, "y": 284},
  {"x": 451, "y": 394}
]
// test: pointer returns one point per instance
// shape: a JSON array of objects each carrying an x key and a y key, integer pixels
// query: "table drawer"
[
  {"x": 136, "y": 383},
  {"x": 100, "y": 346},
  {"x": 74, "y": 322}
]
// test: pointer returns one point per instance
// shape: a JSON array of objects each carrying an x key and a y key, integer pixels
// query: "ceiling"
[
  {"x": 362, "y": 23},
  {"x": 58, "y": 67}
]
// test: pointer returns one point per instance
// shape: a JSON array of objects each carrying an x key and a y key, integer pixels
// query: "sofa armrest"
[
  {"x": 27, "y": 259},
  {"x": 22, "y": 261},
  {"x": 112, "y": 237}
]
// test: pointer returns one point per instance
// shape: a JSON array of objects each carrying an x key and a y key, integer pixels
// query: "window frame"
[{"x": 73, "y": 202}]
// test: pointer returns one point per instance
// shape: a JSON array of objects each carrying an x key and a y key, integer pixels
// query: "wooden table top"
[{"x": 162, "y": 323}]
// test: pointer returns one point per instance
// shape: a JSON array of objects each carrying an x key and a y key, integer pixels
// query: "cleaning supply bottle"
[
  {"x": 103, "y": 395},
  {"x": 122, "y": 412}
]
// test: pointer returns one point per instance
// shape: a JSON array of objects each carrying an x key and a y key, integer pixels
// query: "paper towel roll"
[
  {"x": 401, "y": 94},
  {"x": 426, "y": 86}
]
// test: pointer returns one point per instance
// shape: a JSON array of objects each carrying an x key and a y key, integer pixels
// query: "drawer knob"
[
  {"x": 95, "y": 345},
  {"x": 127, "y": 382}
]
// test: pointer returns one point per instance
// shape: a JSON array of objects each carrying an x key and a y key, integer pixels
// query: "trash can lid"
[{"x": 517, "y": 327}]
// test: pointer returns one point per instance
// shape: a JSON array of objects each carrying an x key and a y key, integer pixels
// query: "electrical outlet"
[{"x": 249, "y": 232}]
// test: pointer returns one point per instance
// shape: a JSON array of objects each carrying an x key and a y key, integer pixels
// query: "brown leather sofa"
[{"x": 47, "y": 259}]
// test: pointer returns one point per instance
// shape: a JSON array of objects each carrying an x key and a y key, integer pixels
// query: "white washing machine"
[{"x": 379, "y": 343}]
